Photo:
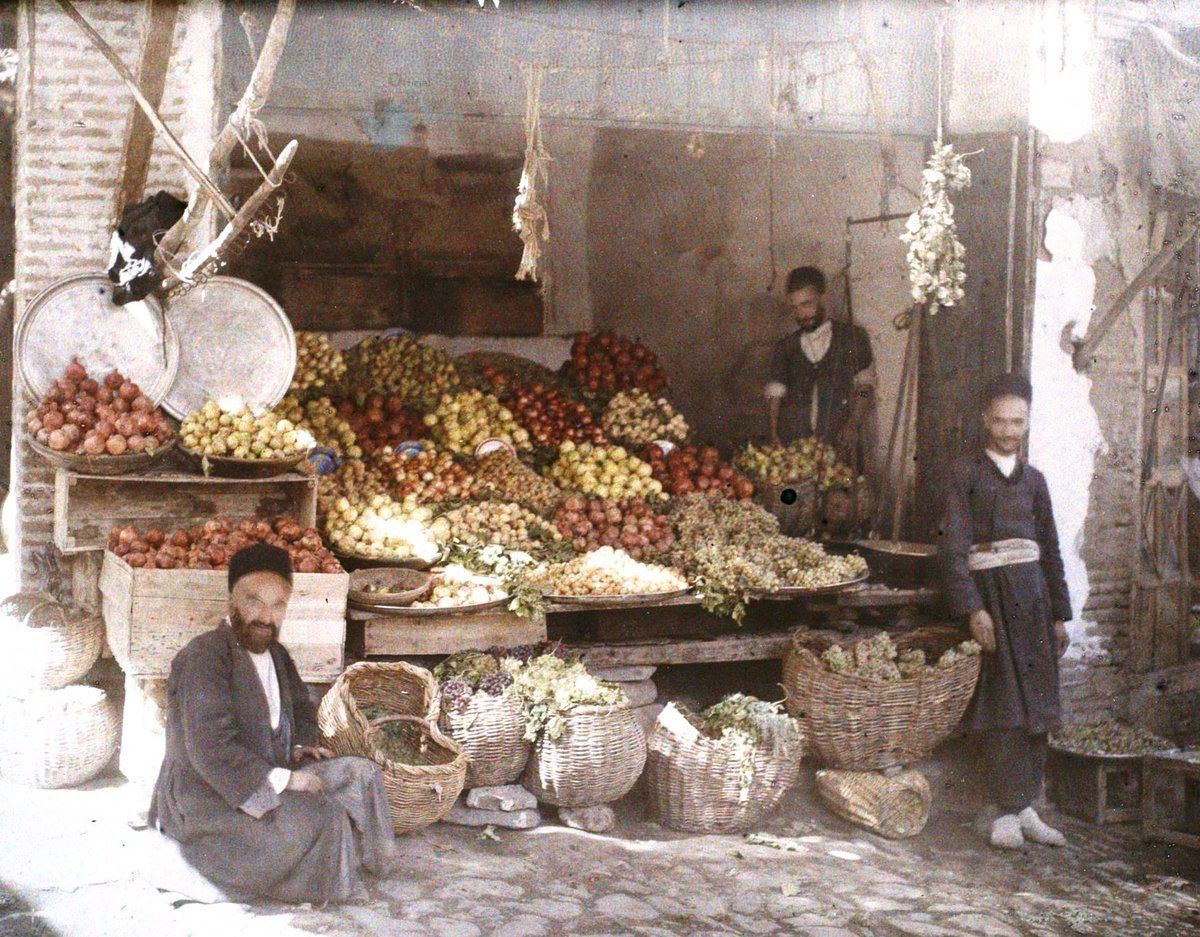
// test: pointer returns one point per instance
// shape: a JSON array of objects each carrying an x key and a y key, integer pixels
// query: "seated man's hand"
[
  {"x": 306, "y": 783},
  {"x": 301, "y": 753}
]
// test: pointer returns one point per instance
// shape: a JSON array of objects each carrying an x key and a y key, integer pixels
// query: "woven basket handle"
[{"x": 385, "y": 720}]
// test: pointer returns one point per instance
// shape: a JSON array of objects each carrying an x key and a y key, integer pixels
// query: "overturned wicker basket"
[
  {"x": 491, "y": 731},
  {"x": 866, "y": 725},
  {"x": 695, "y": 782},
  {"x": 896, "y": 807},
  {"x": 46, "y": 645},
  {"x": 419, "y": 794},
  {"x": 57, "y": 738},
  {"x": 597, "y": 759}
]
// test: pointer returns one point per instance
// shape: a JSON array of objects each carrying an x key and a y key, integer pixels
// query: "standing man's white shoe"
[
  {"x": 1036, "y": 829},
  {"x": 1006, "y": 832}
]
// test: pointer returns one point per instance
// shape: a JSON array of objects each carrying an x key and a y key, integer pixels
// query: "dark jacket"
[
  {"x": 219, "y": 748},
  {"x": 849, "y": 353}
]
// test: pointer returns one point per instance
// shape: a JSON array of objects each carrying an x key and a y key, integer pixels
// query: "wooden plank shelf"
[
  {"x": 88, "y": 507},
  {"x": 417, "y": 637},
  {"x": 729, "y": 648}
]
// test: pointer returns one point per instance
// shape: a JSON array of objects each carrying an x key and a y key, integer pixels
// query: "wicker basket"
[
  {"x": 896, "y": 807},
  {"x": 57, "y": 738},
  {"x": 492, "y": 733},
  {"x": 597, "y": 759},
  {"x": 46, "y": 646},
  {"x": 419, "y": 795},
  {"x": 695, "y": 782},
  {"x": 866, "y": 725}
]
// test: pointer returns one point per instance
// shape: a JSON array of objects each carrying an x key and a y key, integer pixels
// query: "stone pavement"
[{"x": 70, "y": 864}]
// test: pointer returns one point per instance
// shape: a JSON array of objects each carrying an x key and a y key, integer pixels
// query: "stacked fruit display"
[
  {"x": 605, "y": 363},
  {"x": 635, "y": 418},
  {"x": 551, "y": 417},
  {"x": 502, "y": 475},
  {"x": 505, "y": 523},
  {"x": 231, "y": 428},
  {"x": 688, "y": 469},
  {"x": 211, "y": 544},
  {"x": 633, "y": 526},
  {"x": 381, "y": 528},
  {"x": 319, "y": 417},
  {"x": 319, "y": 366},
  {"x": 426, "y": 476},
  {"x": 606, "y": 572},
  {"x": 607, "y": 472},
  {"x": 803, "y": 461},
  {"x": 381, "y": 422},
  {"x": 460, "y": 422},
  {"x": 82, "y": 416},
  {"x": 401, "y": 365}
]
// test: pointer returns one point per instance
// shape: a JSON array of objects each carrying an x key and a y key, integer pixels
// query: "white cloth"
[
  {"x": 264, "y": 666},
  {"x": 1006, "y": 463},
  {"x": 815, "y": 344}
]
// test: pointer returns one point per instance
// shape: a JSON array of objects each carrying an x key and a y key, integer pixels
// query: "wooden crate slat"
[
  {"x": 413, "y": 637},
  {"x": 88, "y": 507},
  {"x": 725, "y": 649}
]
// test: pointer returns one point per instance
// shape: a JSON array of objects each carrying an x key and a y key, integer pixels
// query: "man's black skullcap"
[
  {"x": 260, "y": 558},
  {"x": 1008, "y": 385}
]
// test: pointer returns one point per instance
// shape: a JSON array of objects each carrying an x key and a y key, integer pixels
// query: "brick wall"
[{"x": 72, "y": 113}]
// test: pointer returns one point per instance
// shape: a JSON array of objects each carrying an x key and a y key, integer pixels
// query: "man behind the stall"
[
  {"x": 1004, "y": 573},
  {"x": 256, "y": 806}
]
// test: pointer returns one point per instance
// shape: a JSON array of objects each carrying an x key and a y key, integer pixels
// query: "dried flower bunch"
[{"x": 935, "y": 254}]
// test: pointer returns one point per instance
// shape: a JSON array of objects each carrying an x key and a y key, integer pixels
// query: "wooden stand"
[
  {"x": 1094, "y": 788},
  {"x": 1171, "y": 799}
]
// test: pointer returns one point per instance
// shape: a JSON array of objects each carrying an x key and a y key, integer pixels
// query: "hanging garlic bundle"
[{"x": 935, "y": 254}]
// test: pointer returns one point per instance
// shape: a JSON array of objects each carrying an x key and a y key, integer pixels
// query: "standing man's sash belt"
[{"x": 1003, "y": 553}]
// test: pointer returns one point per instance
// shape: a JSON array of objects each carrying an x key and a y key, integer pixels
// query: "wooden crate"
[
  {"x": 1171, "y": 798},
  {"x": 1093, "y": 788},
  {"x": 150, "y": 614},
  {"x": 88, "y": 507}
]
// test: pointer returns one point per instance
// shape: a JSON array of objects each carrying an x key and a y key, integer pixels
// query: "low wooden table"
[{"x": 1171, "y": 798}]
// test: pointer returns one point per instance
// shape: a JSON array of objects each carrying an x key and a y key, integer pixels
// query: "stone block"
[
  {"x": 590, "y": 819},
  {"x": 642, "y": 693},
  {"x": 622, "y": 674},
  {"x": 648, "y": 715},
  {"x": 508, "y": 797},
  {"x": 462, "y": 815}
]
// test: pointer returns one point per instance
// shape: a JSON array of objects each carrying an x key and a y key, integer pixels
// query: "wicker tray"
[
  {"x": 410, "y": 585},
  {"x": 895, "y": 807},
  {"x": 641, "y": 598},
  {"x": 794, "y": 592},
  {"x": 353, "y": 562},
  {"x": 126, "y": 464},
  {"x": 229, "y": 467}
]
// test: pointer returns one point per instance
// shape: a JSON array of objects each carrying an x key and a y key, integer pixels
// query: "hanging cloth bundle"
[{"x": 529, "y": 216}]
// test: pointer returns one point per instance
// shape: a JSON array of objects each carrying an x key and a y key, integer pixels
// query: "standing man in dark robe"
[
  {"x": 822, "y": 375},
  {"x": 257, "y": 807},
  {"x": 1004, "y": 573}
]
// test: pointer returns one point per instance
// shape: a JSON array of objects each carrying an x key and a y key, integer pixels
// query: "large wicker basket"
[
  {"x": 865, "y": 725},
  {"x": 46, "y": 646},
  {"x": 896, "y": 807},
  {"x": 597, "y": 759},
  {"x": 419, "y": 794},
  {"x": 57, "y": 738},
  {"x": 696, "y": 783},
  {"x": 492, "y": 733}
]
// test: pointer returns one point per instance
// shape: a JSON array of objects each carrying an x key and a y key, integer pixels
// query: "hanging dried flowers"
[
  {"x": 935, "y": 254},
  {"x": 530, "y": 220}
]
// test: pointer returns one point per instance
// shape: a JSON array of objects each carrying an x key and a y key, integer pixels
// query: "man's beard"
[
  {"x": 249, "y": 636},
  {"x": 813, "y": 324}
]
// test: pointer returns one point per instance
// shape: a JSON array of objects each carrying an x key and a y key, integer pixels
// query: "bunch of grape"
[
  {"x": 456, "y": 694},
  {"x": 494, "y": 684}
]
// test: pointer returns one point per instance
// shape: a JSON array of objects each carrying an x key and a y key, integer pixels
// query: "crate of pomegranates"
[{"x": 162, "y": 588}]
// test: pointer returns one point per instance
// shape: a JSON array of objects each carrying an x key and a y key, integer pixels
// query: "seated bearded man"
[{"x": 256, "y": 806}]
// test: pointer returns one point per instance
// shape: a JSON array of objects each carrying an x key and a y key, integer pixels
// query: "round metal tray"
[
  {"x": 415, "y": 582},
  {"x": 125, "y": 464},
  {"x": 76, "y": 317},
  {"x": 234, "y": 338},
  {"x": 228, "y": 467},
  {"x": 796, "y": 592},
  {"x": 640, "y": 598},
  {"x": 407, "y": 611}
]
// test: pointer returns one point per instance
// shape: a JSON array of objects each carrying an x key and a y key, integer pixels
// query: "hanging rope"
[
  {"x": 774, "y": 104},
  {"x": 529, "y": 215}
]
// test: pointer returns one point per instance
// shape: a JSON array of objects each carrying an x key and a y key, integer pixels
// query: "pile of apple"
[
  {"x": 550, "y": 417},
  {"x": 462, "y": 421},
  {"x": 319, "y": 416},
  {"x": 381, "y": 422},
  {"x": 689, "y": 469},
  {"x": 633, "y": 526},
  {"x": 210, "y": 545},
  {"x": 401, "y": 365},
  {"x": 503, "y": 476},
  {"x": 427, "y": 476},
  {"x": 605, "y": 363},
  {"x": 82, "y": 416},
  {"x": 319, "y": 366},
  {"x": 607, "y": 472}
]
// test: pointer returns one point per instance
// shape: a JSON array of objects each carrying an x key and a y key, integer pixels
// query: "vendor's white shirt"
[
  {"x": 264, "y": 666},
  {"x": 815, "y": 344},
  {"x": 1006, "y": 463}
]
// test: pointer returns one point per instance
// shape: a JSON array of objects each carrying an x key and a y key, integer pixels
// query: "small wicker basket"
[
  {"x": 866, "y": 725},
  {"x": 57, "y": 738},
  {"x": 419, "y": 794},
  {"x": 597, "y": 759},
  {"x": 492, "y": 733},
  {"x": 896, "y": 807},
  {"x": 46, "y": 646},
  {"x": 696, "y": 783}
]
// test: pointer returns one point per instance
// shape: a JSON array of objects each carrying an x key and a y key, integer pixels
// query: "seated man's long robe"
[{"x": 221, "y": 748}]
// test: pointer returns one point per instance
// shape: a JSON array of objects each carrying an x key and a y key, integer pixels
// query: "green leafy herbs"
[
  {"x": 511, "y": 567},
  {"x": 550, "y": 687},
  {"x": 878, "y": 659},
  {"x": 744, "y": 724}
]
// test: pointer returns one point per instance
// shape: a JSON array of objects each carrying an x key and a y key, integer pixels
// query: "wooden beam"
[
  {"x": 152, "y": 79},
  {"x": 419, "y": 637},
  {"x": 725, "y": 649}
]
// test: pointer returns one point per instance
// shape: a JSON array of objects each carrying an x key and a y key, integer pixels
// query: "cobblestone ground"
[{"x": 70, "y": 864}]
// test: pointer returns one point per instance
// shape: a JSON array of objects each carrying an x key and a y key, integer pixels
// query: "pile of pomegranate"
[
  {"x": 633, "y": 526},
  {"x": 691, "y": 469},
  {"x": 83, "y": 416},
  {"x": 605, "y": 363},
  {"x": 381, "y": 422},
  {"x": 210, "y": 545}
]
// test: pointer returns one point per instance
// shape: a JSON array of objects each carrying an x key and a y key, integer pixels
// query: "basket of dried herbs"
[{"x": 724, "y": 770}]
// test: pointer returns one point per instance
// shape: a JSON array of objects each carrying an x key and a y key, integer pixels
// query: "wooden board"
[
  {"x": 88, "y": 507},
  {"x": 150, "y": 614},
  {"x": 408, "y": 637},
  {"x": 1170, "y": 786},
  {"x": 727, "y": 648}
]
